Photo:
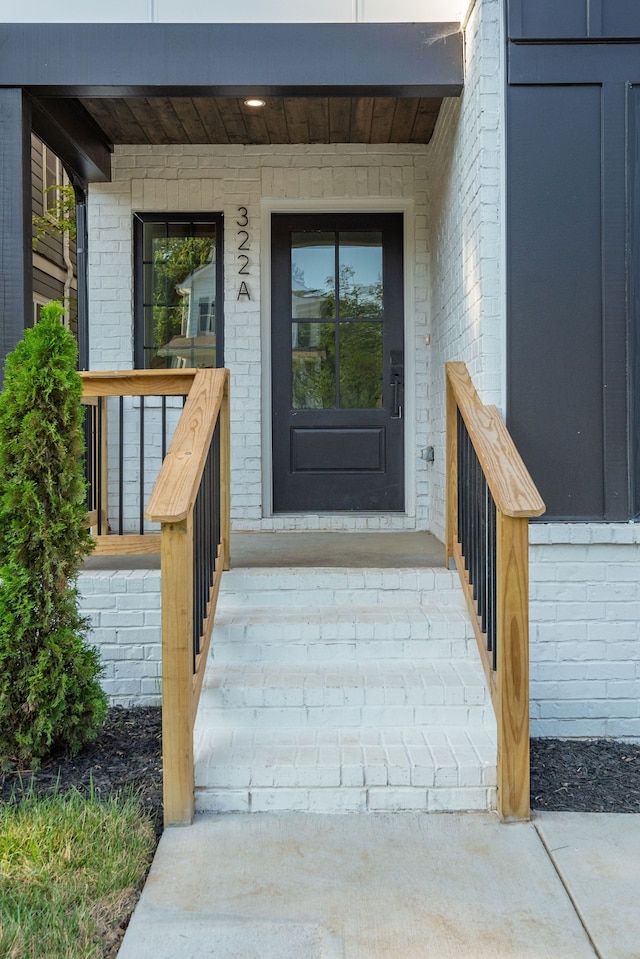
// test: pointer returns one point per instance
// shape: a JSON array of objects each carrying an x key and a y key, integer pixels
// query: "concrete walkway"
[{"x": 403, "y": 886}]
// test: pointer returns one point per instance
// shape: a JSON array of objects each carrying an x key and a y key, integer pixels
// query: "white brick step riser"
[
  {"x": 343, "y": 770},
  {"x": 311, "y": 596},
  {"x": 339, "y": 716},
  {"x": 347, "y": 800},
  {"x": 394, "y": 772},
  {"x": 306, "y": 577},
  {"x": 381, "y": 683},
  {"x": 339, "y": 650},
  {"x": 352, "y": 620},
  {"x": 336, "y": 697}
]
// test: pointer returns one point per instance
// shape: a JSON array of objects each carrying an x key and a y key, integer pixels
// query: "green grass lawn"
[{"x": 70, "y": 870}]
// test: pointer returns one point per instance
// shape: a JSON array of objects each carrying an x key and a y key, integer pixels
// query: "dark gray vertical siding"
[
  {"x": 573, "y": 19},
  {"x": 15, "y": 204},
  {"x": 634, "y": 286},
  {"x": 555, "y": 293},
  {"x": 548, "y": 19},
  {"x": 573, "y": 245}
]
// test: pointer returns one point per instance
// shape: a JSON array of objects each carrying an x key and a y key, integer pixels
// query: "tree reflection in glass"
[
  {"x": 337, "y": 364},
  {"x": 180, "y": 297},
  {"x": 313, "y": 366}
]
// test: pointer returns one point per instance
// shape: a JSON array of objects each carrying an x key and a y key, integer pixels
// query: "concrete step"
[
  {"x": 344, "y": 690},
  {"x": 360, "y": 689},
  {"x": 344, "y": 770},
  {"x": 340, "y": 633},
  {"x": 328, "y": 586}
]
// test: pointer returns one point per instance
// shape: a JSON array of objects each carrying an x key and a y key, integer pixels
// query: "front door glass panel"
[
  {"x": 313, "y": 261},
  {"x": 313, "y": 366},
  {"x": 338, "y": 277},
  {"x": 361, "y": 366},
  {"x": 360, "y": 275}
]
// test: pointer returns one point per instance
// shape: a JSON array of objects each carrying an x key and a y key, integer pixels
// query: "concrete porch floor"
[
  {"x": 360, "y": 550},
  {"x": 363, "y": 550},
  {"x": 404, "y": 886}
]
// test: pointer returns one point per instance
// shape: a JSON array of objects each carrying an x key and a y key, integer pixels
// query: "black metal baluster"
[
  {"x": 467, "y": 503},
  {"x": 142, "y": 455},
  {"x": 473, "y": 559},
  {"x": 491, "y": 558},
  {"x": 461, "y": 474},
  {"x": 215, "y": 493},
  {"x": 482, "y": 554},
  {"x": 121, "y": 466},
  {"x": 100, "y": 492},
  {"x": 164, "y": 426}
]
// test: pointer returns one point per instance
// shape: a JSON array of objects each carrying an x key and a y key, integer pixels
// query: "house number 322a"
[{"x": 243, "y": 244}]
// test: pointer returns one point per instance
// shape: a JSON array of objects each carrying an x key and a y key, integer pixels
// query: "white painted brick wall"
[
  {"x": 124, "y": 610},
  {"x": 465, "y": 238},
  {"x": 585, "y": 629},
  {"x": 222, "y": 178}
]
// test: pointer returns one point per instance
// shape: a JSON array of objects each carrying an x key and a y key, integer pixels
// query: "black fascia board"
[
  {"x": 68, "y": 129},
  {"x": 232, "y": 59}
]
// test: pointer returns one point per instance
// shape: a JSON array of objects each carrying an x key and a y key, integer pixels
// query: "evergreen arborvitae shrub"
[{"x": 50, "y": 697}]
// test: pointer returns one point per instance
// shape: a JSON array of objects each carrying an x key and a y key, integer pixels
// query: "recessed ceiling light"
[{"x": 255, "y": 102}]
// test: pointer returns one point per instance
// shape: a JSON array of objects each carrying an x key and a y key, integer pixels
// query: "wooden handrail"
[
  {"x": 137, "y": 382},
  {"x": 513, "y": 489},
  {"x": 516, "y": 499},
  {"x": 177, "y": 484}
]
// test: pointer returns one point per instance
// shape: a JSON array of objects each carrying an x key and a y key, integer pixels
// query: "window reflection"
[
  {"x": 313, "y": 362},
  {"x": 360, "y": 274},
  {"x": 312, "y": 275},
  {"x": 337, "y": 364},
  {"x": 179, "y": 294},
  {"x": 361, "y": 366}
]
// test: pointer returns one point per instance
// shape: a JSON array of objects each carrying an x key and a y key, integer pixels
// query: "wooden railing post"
[
  {"x": 512, "y": 670},
  {"x": 451, "y": 475},
  {"x": 177, "y": 670}
]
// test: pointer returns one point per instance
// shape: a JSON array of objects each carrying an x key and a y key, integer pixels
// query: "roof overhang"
[
  {"x": 96, "y": 85},
  {"x": 294, "y": 59}
]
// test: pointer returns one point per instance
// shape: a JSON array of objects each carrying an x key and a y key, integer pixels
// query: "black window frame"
[{"x": 139, "y": 222}]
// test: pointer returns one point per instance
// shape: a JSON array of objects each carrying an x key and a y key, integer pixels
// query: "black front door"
[{"x": 337, "y": 362}]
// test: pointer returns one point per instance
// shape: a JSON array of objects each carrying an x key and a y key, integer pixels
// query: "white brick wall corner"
[
  {"x": 465, "y": 236},
  {"x": 585, "y": 629},
  {"x": 124, "y": 610}
]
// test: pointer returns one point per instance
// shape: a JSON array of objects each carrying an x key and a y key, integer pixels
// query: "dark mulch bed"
[
  {"x": 126, "y": 757},
  {"x": 594, "y": 775},
  {"x": 585, "y": 775}
]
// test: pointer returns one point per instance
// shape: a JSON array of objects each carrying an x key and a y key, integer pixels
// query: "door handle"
[
  {"x": 397, "y": 379},
  {"x": 396, "y": 405}
]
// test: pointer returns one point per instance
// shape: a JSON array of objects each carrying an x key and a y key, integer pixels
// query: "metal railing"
[
  {"x": 490, "y": 498},
  {"x": 130, "y": 418}
]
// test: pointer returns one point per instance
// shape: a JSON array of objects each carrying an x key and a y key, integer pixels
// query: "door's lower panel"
[{"x": 337, "y": 449}]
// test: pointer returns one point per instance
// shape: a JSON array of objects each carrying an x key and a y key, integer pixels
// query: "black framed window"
[{"x": 178, "y": 290}]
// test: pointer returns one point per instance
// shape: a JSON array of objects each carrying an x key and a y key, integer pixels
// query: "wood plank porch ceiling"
[{"x": 167, "y": 120}]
